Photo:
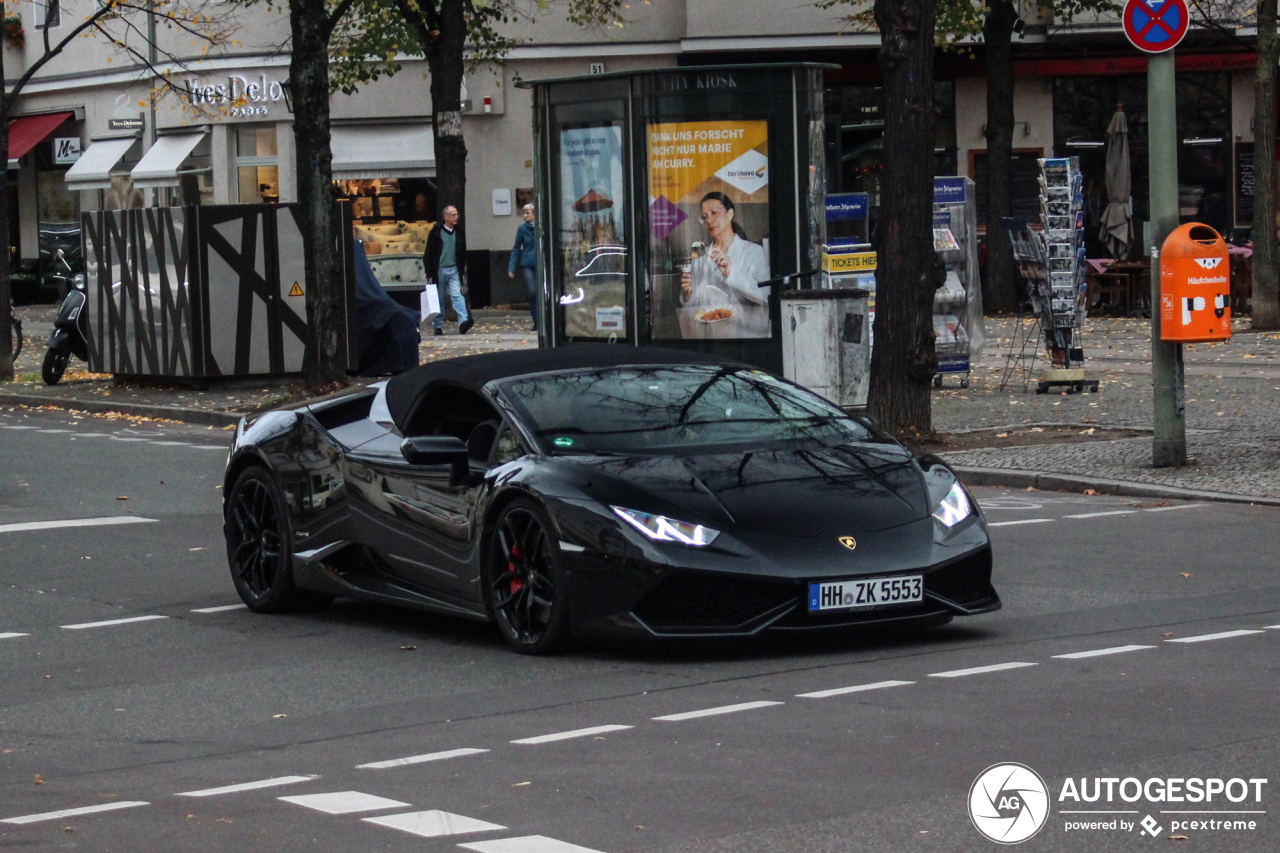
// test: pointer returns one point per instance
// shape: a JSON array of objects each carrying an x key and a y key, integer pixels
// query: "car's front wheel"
[
  {"x": 258, "y": 549},
  {"x": 524, "y": 580}
]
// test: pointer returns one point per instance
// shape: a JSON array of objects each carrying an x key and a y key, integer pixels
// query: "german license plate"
[{"x": 865, "y": 593}]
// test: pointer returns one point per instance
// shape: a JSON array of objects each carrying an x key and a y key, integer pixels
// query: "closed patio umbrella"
[{"x": 1117, "y": 230}]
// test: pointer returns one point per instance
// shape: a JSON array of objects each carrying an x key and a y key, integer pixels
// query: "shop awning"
[
  {"x": 25, "y": 132},
  {"x": 159, "y": 166},
  {"x": 383, "y": 151},
  {"x": 93, "y": 170}
]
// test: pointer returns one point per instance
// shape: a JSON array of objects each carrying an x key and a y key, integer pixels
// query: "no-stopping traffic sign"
[{"x": 1155, "y": 26}]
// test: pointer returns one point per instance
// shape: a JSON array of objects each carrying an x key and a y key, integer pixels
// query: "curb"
[
  {"x": 1051, "y": 482},
  {"x": 144, "y": 410}
]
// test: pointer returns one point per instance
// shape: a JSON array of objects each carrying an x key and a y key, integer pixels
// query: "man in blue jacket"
[
  {"x": 446, "y": 263},
  {"x": 524, "y": 257}
]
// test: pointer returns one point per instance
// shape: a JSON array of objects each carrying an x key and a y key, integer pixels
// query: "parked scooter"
[{"x": 70, "y": 333}]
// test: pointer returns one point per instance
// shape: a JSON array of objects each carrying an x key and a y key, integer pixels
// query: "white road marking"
[
  {"x": 1019, "y": 521},
  {"x": 11, "y": 635},
  {"x": 104, "y": 807},
  {"x": 248, "y": 786},
  {"x": 172, "y": 443},
  {"x": 209, "y": 447},
  {"x": 1114, "y": 650},
  {"x": 1273, "y": 628},
  {"x": 75, "y": 522},
  {"x": 711, "y": 712},
  {"x": 93, "y": 435},
  {"x": 978, "y": 670},
  {"x": 434, "y": 823},
  {"x": 420, "y": 759},
  {"x": 1100, "y": 514},
  {"x": 47, "y": 431},
  {"x": 19, "y": 427},
  {"x": 1168, "y": 508},
  {"x": 594, "y": 730},
  {"x": 221, "y": 608},
  {"x": 1224, "y": 635},
  {"x": 108, "y": 622},
  {"x": 858, "y": 688},
  {"x": 526, "y": 844},
  {"x": 344, "y": 802},
  {"x": 125, "y": 438}
]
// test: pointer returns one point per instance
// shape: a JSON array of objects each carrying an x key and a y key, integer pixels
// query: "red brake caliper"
[{"x": 516, "y": 583}]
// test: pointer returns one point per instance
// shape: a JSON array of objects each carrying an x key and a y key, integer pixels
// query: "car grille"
[
  {"x": 690, "y": 601},
  {"x": 966, "y": 582}
]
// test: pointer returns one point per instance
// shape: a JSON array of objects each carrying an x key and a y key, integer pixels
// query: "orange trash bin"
[{"x": 1195, "y": 286}]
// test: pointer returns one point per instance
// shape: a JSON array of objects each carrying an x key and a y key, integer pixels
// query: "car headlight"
[
  {"x": 955, "y": 507},
  {"x": 663, "y": 529}
]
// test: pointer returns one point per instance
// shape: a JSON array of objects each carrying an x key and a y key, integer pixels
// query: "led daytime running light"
[
  {"x": 662, "y": 529},
  {"x": 955, "y": 507}
]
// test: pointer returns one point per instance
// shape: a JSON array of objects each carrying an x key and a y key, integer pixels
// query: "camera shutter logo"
[{"x": 1008, "y": 803}]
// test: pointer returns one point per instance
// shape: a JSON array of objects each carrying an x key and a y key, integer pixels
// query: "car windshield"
[{"x": 672, "y": 409}]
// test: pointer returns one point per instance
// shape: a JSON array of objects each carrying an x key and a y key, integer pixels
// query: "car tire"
[
  {"x": 524, "y": 579},
  {"x": 55, "y": 364},
  {"x": 259, "y": 554}
]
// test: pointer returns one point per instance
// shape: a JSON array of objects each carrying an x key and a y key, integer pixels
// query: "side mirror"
[{"x": 434, "y": 450}]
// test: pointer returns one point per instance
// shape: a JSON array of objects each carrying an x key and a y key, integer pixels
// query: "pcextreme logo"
[{"x": 1009, "y": 803}]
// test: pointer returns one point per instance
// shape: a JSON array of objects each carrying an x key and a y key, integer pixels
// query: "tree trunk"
[
  {"x": 445, "y": 62},
  {"x": 904, "y": 361},
  {"x": 324, "y": 361},
  {"x": 1266, "y": 253},
  {"x": 6, "y": 257},
  {"x": 997, "y": 33}
]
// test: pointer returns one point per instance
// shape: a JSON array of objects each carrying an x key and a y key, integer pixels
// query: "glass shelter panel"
[{"x": 590, "y": 231}]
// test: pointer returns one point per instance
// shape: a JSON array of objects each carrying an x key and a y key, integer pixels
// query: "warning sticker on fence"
[{"x": 296, "y": 290}]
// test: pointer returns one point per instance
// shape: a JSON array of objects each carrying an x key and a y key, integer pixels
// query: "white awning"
[
  {"x": 383, "y": 151},
  {"x": 93, "y": 170},
  {"x": 159, "y": 166}
]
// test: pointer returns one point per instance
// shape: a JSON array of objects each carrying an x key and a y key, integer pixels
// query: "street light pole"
[{"x": 1170, "y": 445}]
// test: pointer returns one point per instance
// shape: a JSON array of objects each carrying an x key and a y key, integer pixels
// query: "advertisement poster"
[
  {"x": 708, "y": 227},
  {"x": 593, "y": 251}
]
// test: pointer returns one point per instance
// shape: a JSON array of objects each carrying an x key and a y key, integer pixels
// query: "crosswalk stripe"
[
  {"x": 420, "y": 759},
  {"x": 104, "y": 807},
  {"x": 74, "y": 522},
  {"x": 248, "y": 786}
]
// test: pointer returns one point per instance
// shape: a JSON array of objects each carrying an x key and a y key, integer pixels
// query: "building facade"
[{"x": 88, "y": 134}]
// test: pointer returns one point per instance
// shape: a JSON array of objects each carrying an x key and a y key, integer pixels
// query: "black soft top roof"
[{"x": 476, "y": 371}]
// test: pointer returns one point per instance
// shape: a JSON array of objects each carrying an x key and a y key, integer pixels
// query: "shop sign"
[
  {"x": 846, "y": 206},
  {"x": 125, "y": 123},
  {"x": 66, "y": 150},
  {"x": 857, "y": 262},
  {"x": 948, "y": 190},
  {"x": 243, "y": 95}
]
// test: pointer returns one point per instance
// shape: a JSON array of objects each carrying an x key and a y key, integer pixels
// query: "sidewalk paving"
[{"x": 1233, "y": 407}]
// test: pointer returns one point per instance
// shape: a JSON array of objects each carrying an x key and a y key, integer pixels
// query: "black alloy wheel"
[
  {"x": 257, "y": 533},
  {"x": 55, "y": 364},
  {"x": 525, "y": 586}
]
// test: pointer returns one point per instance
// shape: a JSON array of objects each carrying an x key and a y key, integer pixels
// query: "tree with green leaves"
[{"x": 129, "y": 28}]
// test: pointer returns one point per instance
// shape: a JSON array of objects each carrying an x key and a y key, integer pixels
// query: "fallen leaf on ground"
[
  {"x": 1090, "y": 492},
  {"x": 278, "y": 716},
  {"x": 123, "y": 498},
  {"x": 521, "y": 784},
  {"x": 37, "y": 780},
  {"x": 1186, "y": 574},
  {"x": 408, "y": 648}
]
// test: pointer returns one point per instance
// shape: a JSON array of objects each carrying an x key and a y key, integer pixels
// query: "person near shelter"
[
  {"x": 446, "y": 263},
  {"x": 524, "y": 257}
]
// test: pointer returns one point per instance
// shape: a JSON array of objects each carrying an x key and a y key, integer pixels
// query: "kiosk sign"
[{"x": 1155, "y": 26}]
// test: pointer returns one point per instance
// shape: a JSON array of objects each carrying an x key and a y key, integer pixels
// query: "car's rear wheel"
[
  {"x": 524, "y": 581},
  {"x": 258, "y": 551}
]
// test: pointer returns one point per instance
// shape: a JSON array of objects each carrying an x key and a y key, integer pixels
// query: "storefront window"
[
  {"x": 256, "y": 165},
  {"x": 58, "y": 216},
  {"x": 1082, "y": 109}
]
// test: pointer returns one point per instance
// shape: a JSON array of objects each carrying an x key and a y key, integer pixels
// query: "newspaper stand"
[{"x": 957, "y": 305}]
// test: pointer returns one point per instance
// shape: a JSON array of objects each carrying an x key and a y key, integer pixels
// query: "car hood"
[{"x": 866, "y": 486}]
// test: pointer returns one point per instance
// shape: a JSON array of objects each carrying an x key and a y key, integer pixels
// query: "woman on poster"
[{"x": 732, "y": 268}]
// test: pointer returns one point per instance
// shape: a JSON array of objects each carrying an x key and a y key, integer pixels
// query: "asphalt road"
[{"x": 130, "y": 683}]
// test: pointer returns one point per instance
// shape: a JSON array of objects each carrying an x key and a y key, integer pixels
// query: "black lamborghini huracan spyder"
[{"x": 600, "y": 491}]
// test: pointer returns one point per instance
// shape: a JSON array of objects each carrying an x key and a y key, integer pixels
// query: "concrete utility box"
[
  {"x": 826, "y": 343},
  {"x": 1195, "y": 286}
]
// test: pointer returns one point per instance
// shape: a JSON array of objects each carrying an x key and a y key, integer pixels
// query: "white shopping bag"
[{"x": 430, "y": 302}]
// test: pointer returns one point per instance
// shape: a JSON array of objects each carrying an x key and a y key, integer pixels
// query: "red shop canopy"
[{"x": 27, "y": 131}]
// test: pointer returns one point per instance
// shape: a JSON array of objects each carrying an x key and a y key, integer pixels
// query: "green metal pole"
[{"x": 1170, "y": 445}]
